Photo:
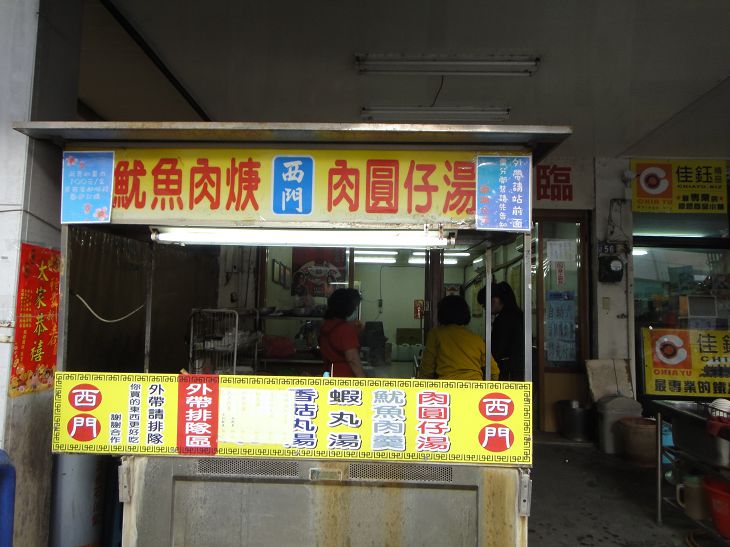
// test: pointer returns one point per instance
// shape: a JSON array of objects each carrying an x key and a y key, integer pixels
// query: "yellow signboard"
[
  {"x": 293, "y": 417},
  {"x": 680, "y": 186},
  {"x": 686, "y": 363},
  {"x": 256, "y": 186}
]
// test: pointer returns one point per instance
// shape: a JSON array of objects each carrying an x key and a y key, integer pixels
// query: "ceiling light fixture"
[
  {"x": 434, "y": 114},
  {"x": 447, "y": 253},
  {"x": 505, "y": 65},
  {"x": 375, "y": 260},
  {"x": 374, "y": 252},
  {"x": 639, "y": 252},
  {"x": 422, "y": 260},
  {"x": 394, "y": 239}
]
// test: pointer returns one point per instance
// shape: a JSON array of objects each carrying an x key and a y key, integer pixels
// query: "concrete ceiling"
[{"x": 632, "y": 77}]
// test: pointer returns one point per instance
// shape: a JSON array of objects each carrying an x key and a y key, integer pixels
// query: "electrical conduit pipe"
[{"x": 7, "y": 499}]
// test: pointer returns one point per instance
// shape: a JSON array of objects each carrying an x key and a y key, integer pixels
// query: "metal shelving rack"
[
  {"x": 215, "y": 340},
  {"x": 681, "y": 455}
]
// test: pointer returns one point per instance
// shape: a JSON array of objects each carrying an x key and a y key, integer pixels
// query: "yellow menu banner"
[
  {"x": 293, "y": 417},
  {"x": 686, "y": 363},
  {"x": 255, "y": 186},
  {"x": 679, "y": 186}
]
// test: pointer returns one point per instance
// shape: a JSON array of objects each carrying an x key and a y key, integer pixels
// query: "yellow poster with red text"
[
  {"x": 255, "y": 186},
  {"x": 293, "y": 417},
  {"x": 686, "y": 363},
  {"x": 679, "y": 186}
]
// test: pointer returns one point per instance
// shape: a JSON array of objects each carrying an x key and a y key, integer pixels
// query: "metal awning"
[{"x": 540, "y": 139}]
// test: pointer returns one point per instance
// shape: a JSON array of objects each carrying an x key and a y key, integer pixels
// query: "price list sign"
[{"x": 503, "y": 193}]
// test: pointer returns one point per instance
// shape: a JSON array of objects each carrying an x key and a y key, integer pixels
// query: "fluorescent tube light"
[
  {"x": 447, "y": 253},
  {"x": 639, "y": 252},
  {"x": 478, "y": 260},
  {"x": 394, "y": 239},
  {"x": 374, "y": 260},
  {"x": 374, "y": 252},
  {"x": 505, "y": 65},
  {"x": 434, "y": 114},
  {"x": 422, "y": 260},
  {"x": 669, "y": 234}
]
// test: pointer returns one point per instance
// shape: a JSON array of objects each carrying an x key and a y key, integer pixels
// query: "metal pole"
[
  {"x": 527, "y": 302},
  {"x": 63, "y": 300},
  {"x": 659, "y": 467},
  {"x": 148, "y": 310},
  {"x": 488, "y": 310}
]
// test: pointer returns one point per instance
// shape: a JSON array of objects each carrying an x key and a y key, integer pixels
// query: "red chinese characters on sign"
[
  {"x": 496, "y": 438},
  {"x": 127, "y": 185},
  {"x": 167, "y": 184},
  {"x": 83, "y": 427},
  {"x": 371, "y": 186},
  {"x": 463, "y": 183},
  {"x": 205, "y": 184},
  {"x": 243, "y": 180},
  {"x": 84, "y": 397},
  {"x": 36, "y": 315},
  {"x": 496, "y": 406},
  {"x": 433, "y": 413},
  {"x": 554, "y": 183},
  {"x": 423, "y": 187},
  {"x": 382, "y": 186},
  {"x": 343, "y": 184},
  {"x": 197, "y": 429}
]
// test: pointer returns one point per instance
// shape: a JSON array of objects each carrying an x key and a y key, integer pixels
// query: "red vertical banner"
[
  {"x": 36, "y": 320},
  {"x": 197, "y": 420}
]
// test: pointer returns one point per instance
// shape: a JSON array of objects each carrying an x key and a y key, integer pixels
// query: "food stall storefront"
[
  {"x": 231, "y": 459},
  {"x": 681, "y": 278}
]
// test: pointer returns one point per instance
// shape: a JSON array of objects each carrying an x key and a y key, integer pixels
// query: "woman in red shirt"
[{"x": 339, "y": 342}]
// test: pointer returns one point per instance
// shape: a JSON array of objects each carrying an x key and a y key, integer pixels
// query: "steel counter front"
[
  {"x": 234, "y": 502},
  {"x": 306, "y": 461}
]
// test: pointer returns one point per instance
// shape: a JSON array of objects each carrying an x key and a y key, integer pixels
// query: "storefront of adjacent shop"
[
  {"x": 681, "y": 279},
  {"x": 682, "y": 276},
  {"x": 260, "y": 448}
]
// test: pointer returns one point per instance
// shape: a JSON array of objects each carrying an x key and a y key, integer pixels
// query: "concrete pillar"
[
  {"x": 613, "y": 302},
  {"x": 39, "y": 60}
]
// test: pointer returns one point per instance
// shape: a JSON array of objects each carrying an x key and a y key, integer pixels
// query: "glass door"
[{"x": 560, "y": 308}]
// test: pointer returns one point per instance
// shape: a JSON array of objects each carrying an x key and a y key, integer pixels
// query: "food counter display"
[{"x": 281, "y": 460}]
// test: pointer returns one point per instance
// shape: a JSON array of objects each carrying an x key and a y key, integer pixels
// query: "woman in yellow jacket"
[{"x": 452, "y": 351}]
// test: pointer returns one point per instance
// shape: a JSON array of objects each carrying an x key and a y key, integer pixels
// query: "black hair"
[
  {"x": 482, "y": 297},
  {"x": 342, "y": 303},
  {"x": 506, "y": 295},
  {"x": 453, "y": 310}
]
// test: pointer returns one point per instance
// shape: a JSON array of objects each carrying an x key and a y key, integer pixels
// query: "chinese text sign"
[
  {"x": 317, "y": 186},
  {"x": 36, "y": 317},
  {"x": 680, "y": 186},
  {"x": 503, "y": 193},
  {"x": 233, "y": 416},
  {"x": 686, "y": 363},
  {"x": 86, "y": 187}
]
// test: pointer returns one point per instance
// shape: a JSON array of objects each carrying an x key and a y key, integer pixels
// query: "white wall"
[
  {"x": 400, "y": 286},
  {"x": 39, "y": 59},
  {"x": 18, "y": 22},
  {"x": 237, "y": 277}
]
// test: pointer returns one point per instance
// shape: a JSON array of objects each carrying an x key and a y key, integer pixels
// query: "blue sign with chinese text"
[
  {"x": 503, "y": 193},
  {"x": 293, "y": 185},
  {"x": 86, "y": 187}
]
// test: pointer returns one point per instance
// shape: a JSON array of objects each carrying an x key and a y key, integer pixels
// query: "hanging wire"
[
  {"x": 88, "y": 307},
  {"x": 443, "y": 79}
]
